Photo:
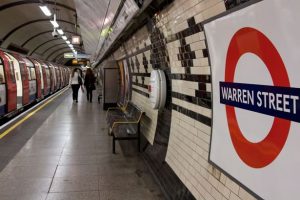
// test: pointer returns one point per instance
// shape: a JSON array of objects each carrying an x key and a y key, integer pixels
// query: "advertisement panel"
[{"x": 254, "y": 55}]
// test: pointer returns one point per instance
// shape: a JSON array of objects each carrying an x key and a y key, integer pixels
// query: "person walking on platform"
[
  {"x": 89, "y": 83},
  {"x": 76, "y": 82}
]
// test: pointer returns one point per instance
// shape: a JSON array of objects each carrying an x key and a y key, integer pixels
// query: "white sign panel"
[
  {"x": 157, "y": 89},
  {"x": 254, "y": 55}
]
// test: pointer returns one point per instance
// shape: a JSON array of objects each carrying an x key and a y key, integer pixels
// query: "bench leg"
[
  {"x": 139, "y": 138},
  {"x": 139, "y": 145},
  {"x": 114, "y": 145}
]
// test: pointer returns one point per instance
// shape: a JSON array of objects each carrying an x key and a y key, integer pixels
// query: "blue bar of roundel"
[{"x": 264, "y": 88}]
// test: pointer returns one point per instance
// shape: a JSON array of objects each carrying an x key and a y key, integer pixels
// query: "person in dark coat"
[{"x": 89, "y": 83}]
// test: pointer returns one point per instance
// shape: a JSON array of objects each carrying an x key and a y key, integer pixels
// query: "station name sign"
[
  {"x": 271, "y": 100},
  {"x": 79, "y": 55}
]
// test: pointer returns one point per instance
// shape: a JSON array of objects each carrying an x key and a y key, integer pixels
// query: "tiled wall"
[
  {"x": 180, "y": 134},
  {"x": 137, "y": 53}
]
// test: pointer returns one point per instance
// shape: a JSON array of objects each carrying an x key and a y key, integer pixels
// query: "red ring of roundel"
[{"x": 260, "y": 154}]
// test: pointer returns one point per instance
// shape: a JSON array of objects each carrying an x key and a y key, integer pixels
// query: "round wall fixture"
[{"x": 157, "y": 89}]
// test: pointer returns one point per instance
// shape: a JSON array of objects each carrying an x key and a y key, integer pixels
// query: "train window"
[
  {"x": 29, "y": 74},
  {"x": 2, "y": 77},
  {"x": 32, "y": 73}
]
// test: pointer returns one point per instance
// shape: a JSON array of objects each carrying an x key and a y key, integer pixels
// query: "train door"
[
  {"x": 41, "y": 77},
  {"x": 32, "y": 80},
  {"x": 24, "y": 78},
  {"x": 38, "y": 79},
  {"x": 2, "y": 90},
  {"x": 62, "y": 77},
  {"x": 48, "y": 75},
  {"x": 52, "y": 78},
  {"x": 65, "y": 75},
  {"x": 68, "y": 74},
  {"x": 14, "y": 62},
  {"x": 45, "y": 79},
  {"x": 58, "y": 78},
  {"x": 10, "y": 94}
]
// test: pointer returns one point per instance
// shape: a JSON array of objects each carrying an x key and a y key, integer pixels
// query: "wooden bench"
[{"x": 124, "y": 123}]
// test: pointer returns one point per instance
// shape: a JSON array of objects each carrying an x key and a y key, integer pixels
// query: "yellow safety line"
[{"x": 29, "y": 115}]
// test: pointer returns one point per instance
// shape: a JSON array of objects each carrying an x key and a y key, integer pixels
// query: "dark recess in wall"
[
  {"x": 16, "y": 48},
  {"x": 233, "y": 3}
]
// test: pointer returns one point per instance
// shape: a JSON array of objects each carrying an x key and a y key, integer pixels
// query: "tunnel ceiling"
[
  {"x": 25, "y": 28},
  {"x": 94, "y": 18}
]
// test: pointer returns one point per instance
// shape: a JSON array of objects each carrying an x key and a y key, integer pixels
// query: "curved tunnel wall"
[{"x": 179, "y": 136}]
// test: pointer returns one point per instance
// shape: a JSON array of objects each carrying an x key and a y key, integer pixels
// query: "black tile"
[
  {"x": 205, "y": 52},
  {"x": 192, "y": 77},
  {"x": 141, "y": 92},
  {"x": 141, "y": 74},
  {"x": 195, "y": 100},
  {"x": 182, "y": 42},
  {"x": 201, "y": 118},
  {"x": 191, "y": 21},
  {"x": 140, "y": 85},
  {"x": 203, "y": 94},
  {"x": 187, "y": 70}
]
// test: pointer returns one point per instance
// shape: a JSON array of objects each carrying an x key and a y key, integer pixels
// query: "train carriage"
[
  {"x": 26, "y": 80},
  {"x": 8, "y": 87}
]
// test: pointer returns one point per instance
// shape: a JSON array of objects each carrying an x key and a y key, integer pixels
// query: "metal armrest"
[{"x": 118, "y": 123}]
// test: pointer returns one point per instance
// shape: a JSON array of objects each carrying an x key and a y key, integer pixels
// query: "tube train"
[{"x": 25, "y": 80}]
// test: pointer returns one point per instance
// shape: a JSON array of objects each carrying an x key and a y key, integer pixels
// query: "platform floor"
[{"x": 63, "y": 152}]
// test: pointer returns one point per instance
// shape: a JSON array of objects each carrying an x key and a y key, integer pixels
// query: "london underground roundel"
[
  {"x": 255, "y": 67},
  {"x": 256, "y": 154}
]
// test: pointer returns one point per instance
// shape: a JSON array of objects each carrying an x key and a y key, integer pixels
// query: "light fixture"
[
  {"x": 46, "y": 10},
  {"x": 70, "y": 45},
  {"x": 64, "y": 37},
  {"x": 60, "y": 31},
  {"x": 54, "y": 22},
  {"x": 68, "y": 42}
]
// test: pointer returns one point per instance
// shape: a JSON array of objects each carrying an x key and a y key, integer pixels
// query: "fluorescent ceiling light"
[
  {"x": 54, "y": 23},
  {"x": 70, "y": 45},
  {"x": 46, "y": 10},
  {"x": 64, "y": 37},
  {"x": 68, "y": 42},
  {"x": 60, "y": 31}
]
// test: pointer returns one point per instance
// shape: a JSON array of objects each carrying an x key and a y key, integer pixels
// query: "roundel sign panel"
[{"x": 256, "y": 97}]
